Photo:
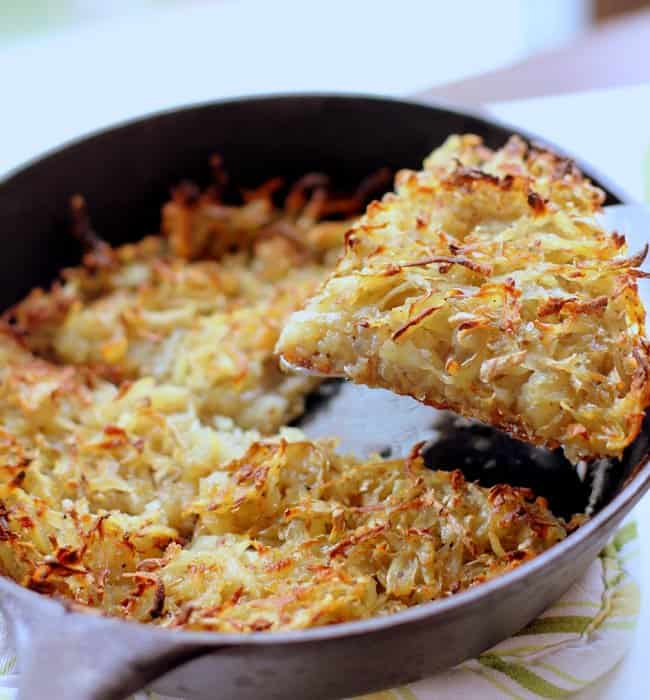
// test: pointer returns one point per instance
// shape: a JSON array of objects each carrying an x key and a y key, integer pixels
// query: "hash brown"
[{"x": 483, "y": 284}]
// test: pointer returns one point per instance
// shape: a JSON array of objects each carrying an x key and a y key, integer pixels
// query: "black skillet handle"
[{"x": 83, "y": 656}]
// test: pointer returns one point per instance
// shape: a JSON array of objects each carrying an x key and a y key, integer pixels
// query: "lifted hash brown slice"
[{"x": 484, "y": 285}]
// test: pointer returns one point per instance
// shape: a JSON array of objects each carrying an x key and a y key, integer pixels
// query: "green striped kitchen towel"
[{"x": 575, "y": 642}]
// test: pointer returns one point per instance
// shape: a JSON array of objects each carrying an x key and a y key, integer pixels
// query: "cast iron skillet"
[{"x": 125, "y": 174}]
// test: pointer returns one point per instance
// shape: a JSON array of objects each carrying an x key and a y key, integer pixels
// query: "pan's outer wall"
[{"x": 125, "y": 173}]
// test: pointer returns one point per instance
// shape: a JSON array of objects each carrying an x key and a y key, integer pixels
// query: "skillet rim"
[
  {"x": 419, "y": 101},
  {"x": 450, "y": 607}
]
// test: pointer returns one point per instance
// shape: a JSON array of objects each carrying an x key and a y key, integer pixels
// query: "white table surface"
[{"x": 54, "y": 89}]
